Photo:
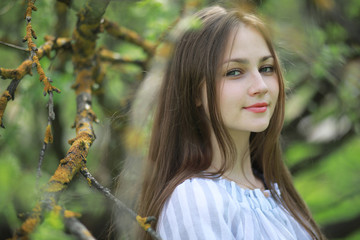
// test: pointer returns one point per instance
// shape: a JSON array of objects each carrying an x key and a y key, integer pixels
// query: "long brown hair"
[{"x": 180, "y": 146}]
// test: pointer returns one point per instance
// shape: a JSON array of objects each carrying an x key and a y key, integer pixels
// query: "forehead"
[{"x": 246, "y": 42}]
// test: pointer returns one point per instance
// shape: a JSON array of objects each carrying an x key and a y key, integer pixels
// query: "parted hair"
[{"x": 180, "y": 146}]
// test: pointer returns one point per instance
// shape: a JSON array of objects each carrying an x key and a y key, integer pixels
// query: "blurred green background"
[{"x": 319, "y": 45}]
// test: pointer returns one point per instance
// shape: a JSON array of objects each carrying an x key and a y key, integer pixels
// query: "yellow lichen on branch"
[
  {"x": 35, "y": 218},
  {"x": 5, "y": 97},
  {"x": 85, "y": 126},
  {"x": 30, "y": 223},
  {"x": 71, "y": 164},
  {"x": 61, "y": 42},
  {"x": 47, "y": 85},
  {"x": 30, "y": 7},
  {"x": 18, "y": 73},
  {"x": 30, "y": 33},
  {"x": 48, "y": 135},
  {"x": 83, "y": 46},
  {"x": 65, "y": 213},
  {"x": 128, "y": 35},
  {"x": 114, "y": 57},
  {"x": 45, "y": 49},
  {"x": 84, "y": 81},
  {"x": 70, "y": 214},
  {"x": 77, "y": 153}
]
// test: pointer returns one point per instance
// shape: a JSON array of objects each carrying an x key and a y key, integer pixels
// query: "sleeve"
[{"x": 196, "y": 210}]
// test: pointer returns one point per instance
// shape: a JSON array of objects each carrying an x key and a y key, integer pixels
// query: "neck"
[{"x": 241, "y": 172}]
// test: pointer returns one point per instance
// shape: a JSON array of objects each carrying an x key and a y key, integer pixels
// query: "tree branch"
[
  {"x": 48, "y": 134},
  {"x": 18, "y": 73},
  {"x": 128, "y": 35},
  {"x": 115, "y": 58},
  {"x": 326, "y": 150},
  {"x": 76, "y": 228},
  {"x": 145, "y": 222},
  {"x": 84, "y": 51},
  {"x": 14, "y": 46},
  {"x": 30, "y": 34},
  {"x": 26, "y": 68},
  {"x": 15, "y": 74}
]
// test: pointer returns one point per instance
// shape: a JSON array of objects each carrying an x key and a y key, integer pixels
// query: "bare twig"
[
  {"x": 14, "y": 46},
  {"x": 115, "y": 58},
  {"x": 76, "y": 228},
  {"x": 145, "y": 222},
  {"x": 48, "y": 88},
  {"x": 48, "y": 134}
]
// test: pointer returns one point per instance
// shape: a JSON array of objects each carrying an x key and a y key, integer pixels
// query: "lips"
[{"x": 257, "y": 107}]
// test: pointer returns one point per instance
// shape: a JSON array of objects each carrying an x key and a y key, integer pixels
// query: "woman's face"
[{"x": 249, "y": 88}]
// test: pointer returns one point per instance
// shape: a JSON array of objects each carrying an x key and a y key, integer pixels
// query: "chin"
[{"x": 259, "y": 129}]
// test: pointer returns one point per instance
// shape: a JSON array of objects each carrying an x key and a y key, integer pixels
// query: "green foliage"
[
  {"x": 52, "y": 228},
  {"x": 299, "y": 151},
  {"x": 352, "y": 9},
  {"x": 9, "y": 169},
  {"x": 334, "y": 188}
]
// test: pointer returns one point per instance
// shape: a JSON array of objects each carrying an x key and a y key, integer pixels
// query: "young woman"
[{"x": 215, "y": 169}]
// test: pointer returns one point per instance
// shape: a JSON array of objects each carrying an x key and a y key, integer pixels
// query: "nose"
[{"x": 258, "y": 85}]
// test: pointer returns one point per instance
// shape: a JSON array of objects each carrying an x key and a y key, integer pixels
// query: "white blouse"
[{"x": 214, "y": 209}]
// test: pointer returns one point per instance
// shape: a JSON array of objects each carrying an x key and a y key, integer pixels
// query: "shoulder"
[
  {"x": 197, "y": 208},
  {"x": 201, "y": 191},
  {"x": 198, "y": 198}
]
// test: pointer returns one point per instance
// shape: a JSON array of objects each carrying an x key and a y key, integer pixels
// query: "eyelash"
[
  {"x": 229, "y": 73},
  {"x": 265, "y": 69}
]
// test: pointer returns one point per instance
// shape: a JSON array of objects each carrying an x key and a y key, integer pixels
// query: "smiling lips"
[{"x": 257, "y": 107}]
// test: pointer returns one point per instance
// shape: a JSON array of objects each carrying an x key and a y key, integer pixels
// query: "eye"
[
  {"x": 266, "y": 69},
  {"x": 234, "y": 73}
]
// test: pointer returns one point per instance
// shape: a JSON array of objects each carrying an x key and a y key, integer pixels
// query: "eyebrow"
[{"x": 245, "y": 61}]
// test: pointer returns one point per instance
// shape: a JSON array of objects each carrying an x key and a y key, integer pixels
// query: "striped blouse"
[{"x": 214, "y": 209}]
